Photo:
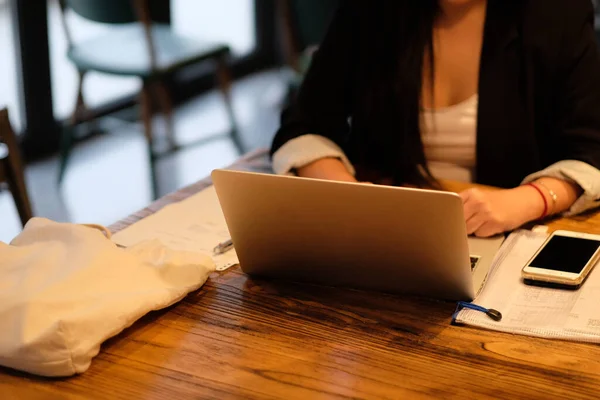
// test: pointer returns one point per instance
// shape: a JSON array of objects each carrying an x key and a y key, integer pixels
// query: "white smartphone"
[{"x": 565, "y": 259}]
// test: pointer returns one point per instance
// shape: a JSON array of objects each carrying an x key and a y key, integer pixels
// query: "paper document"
[
  {"x": 531, "y": 310},
  {"x": 195, "y": 224}
]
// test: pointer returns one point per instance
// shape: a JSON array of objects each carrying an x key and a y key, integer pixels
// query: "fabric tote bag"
[{"x": 66, "y": 288}]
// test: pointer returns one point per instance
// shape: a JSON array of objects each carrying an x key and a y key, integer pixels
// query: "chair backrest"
[
  {"x": 105, "y": 11},
  {"x": 8, "y": 137},
  {"x": 311, "y": 20},
  {"x": 12, "y": 168},
  {"x": 120, "y": 11},
  {"x": 117, "y": 12},
  {"x": 304, "y": 24}
]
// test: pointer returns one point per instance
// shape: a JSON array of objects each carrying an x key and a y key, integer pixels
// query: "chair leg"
[
  {"x": 16, "y": 185},
  {"x": 146, "y": 114},
  {"x": 224, "y": 78},
  {"x": 166, "y": 104},
  {"x": 68, "y": 132}
]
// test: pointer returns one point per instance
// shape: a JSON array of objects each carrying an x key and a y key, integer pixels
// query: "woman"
[{"x": 498, "y": 92}]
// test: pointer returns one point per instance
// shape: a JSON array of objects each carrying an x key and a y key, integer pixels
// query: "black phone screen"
[{"x": 566, "y": 254}]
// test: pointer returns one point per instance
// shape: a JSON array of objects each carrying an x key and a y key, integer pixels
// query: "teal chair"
[
  {"x": 11, "y": 168},
  {"x": 304, "y": 24},
  {"x": 138, "y": 47}
]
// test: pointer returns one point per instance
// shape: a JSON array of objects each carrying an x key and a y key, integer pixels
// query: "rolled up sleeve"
[
  {"x": 580, "y": 173},
  {"x": 304, "y": 150}
]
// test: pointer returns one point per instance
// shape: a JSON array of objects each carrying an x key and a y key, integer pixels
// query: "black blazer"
[{"x": 539, "y": 88}]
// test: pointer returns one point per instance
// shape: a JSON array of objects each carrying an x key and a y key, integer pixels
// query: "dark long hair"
[{"x": 392, "y": 85}]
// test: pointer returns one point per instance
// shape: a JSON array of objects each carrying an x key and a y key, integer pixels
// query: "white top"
[{"x": 449, "y": 138}]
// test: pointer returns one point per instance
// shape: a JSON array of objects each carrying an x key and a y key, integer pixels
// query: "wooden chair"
[
  {"x": 303, "y": 24},
  {"x": 11, "y": 168},
  {"x": 136, "y": 46}
]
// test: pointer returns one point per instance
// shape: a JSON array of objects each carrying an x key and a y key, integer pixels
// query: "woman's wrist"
[
  {"x": 561, "y": 194},
  {"x": 531, "y": 204},
  {"x": 545, "y": 197}
]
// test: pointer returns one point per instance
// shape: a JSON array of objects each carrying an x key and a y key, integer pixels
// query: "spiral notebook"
[{"x": 530, "y": 310}]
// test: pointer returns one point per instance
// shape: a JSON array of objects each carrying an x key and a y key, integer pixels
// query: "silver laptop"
[{"x": 354, "y": 235}]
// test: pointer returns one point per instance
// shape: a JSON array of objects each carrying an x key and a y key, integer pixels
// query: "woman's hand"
[
  {"x": 488, "y": 213},
  {"x": 491, "y": 212}
]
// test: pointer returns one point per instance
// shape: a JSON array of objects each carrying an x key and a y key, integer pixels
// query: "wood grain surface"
[{"x": 239, "y": 337}]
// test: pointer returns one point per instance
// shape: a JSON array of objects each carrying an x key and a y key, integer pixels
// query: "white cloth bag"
[{"x": 65, "y": 289}]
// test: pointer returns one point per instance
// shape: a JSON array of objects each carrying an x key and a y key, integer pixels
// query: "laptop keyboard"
[{"x": 474, "y": 261}]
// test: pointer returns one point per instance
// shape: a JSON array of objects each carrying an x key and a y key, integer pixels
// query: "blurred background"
[
  {"x": 221, "y": 70},
  {"x": 169, "y": 91}
]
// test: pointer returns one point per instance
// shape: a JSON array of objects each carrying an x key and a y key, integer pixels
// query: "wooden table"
[{"x": 246, "y": 338}]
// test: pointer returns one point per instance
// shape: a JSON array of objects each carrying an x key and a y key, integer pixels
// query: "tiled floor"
[{"x": 108, "y": 176}]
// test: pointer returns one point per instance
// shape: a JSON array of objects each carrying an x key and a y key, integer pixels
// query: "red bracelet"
[{"x": 543, "y": 197}]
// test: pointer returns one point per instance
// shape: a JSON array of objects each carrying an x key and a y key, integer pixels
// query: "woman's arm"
[
  {"x": 577, "y": 86},
  {"x": 313, "y": 156},
  {"x": 322, "y": 106},
  {"x": 327, "y": 168},
  {"x": 578, "y": 108},
  {"x": 491, "y": 212},
  {"x": 559, "y": 194},
  {"x": 575, "y": 178}
]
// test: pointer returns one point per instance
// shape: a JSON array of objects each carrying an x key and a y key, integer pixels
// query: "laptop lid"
[{"x": 347, "y": 234}]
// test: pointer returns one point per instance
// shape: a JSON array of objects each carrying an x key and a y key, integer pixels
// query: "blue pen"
[{"x": 490, "y": 312}]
